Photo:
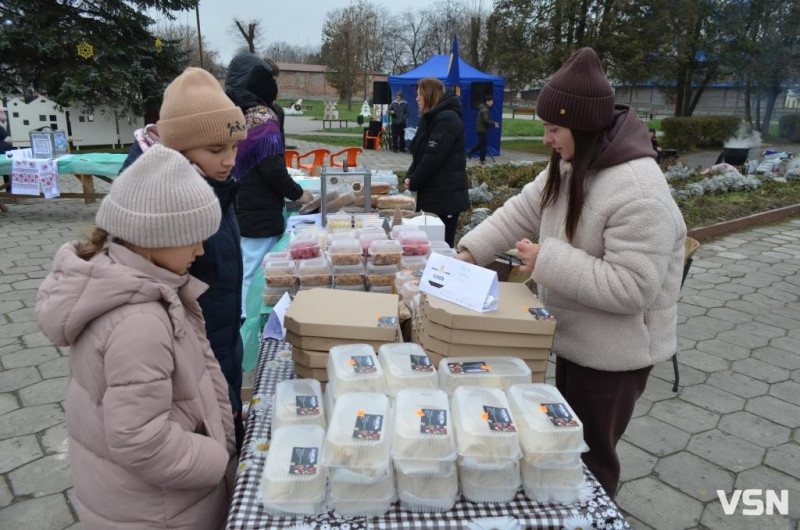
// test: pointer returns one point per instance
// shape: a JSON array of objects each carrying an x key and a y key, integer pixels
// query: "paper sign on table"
[
  {"x": 274, "y": 329},
  {"x": 460, "y": 282}
]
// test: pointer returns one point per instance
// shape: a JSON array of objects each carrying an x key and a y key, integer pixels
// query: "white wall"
[{"x": 23, "y": 118}]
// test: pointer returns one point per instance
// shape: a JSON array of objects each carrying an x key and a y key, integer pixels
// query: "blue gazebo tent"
[{"x": 437, "y": 66}]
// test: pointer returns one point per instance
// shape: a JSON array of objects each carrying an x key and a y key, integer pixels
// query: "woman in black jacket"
[
  {"x": 438, "y": 171},
  {"x": 260, "y": 165}
]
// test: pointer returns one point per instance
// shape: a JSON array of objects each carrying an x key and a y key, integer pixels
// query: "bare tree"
[
  {"x": 250, "y": 31},
  {"x": 185, "y": 38},
  {"x": 288, "y": 53}
]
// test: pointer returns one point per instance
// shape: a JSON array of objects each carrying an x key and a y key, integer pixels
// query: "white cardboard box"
[{"x": 428, "y": 223}]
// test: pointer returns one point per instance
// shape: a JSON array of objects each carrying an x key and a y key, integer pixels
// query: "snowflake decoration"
[
  {"x": 578, "y": 522},
  {"x": 159, "y": 44},
  {"x": 260, "y": 445},
  {"x": 85, "y": 50}
]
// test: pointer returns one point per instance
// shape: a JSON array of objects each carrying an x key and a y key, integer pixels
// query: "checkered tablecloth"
[{"x": 595, "y": 510}]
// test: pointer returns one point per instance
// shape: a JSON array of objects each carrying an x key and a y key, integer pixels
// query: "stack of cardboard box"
[
  {"x": 520, "y": 327},
  {"x": 319, "y": 319}
]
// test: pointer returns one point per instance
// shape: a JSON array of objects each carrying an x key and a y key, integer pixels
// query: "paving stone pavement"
[{"x": 734, "y": 423}]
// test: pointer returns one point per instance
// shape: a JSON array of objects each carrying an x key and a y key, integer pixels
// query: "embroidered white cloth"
[{"x": 30, "y": 176}]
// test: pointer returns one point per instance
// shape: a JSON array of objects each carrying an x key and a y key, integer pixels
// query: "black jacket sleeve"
[{"x": 272, "y": 170}]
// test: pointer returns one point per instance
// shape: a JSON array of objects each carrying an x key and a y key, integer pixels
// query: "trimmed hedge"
[
  {"x": 702, "y": 131},
  {"x": 789, "y": 127}
]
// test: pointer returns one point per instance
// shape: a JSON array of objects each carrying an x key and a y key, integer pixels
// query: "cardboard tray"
[
  {"x": 304, "y": 372},
  {"x": 324, "y": 344},
  {"x": 340, "y": 314},
  {"x": 511, "y": 316},
  {"x": 449, "y": 349},
  {"x": 310, "y": 358},
  {"x": 485, "y": 338}
]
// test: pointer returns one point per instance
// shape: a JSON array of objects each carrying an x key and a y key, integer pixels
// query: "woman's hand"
[
  {"x": 466, "y": 255},
  {"x": 306, "y": 197},
  {"x": 527, "y": 252}
]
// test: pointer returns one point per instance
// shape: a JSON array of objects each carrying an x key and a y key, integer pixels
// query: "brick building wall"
[{"x": 307, "y": 81}]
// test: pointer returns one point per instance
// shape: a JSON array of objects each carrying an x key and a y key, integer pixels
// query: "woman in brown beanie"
[
  {"x": 609, "y": 255},
  {"x": 151, "y": 438}
]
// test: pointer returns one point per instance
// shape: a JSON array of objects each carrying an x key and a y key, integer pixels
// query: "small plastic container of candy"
[
  {"x": 345, "y": 252},
  {"x": 385, "y": 252},
  {"x": 350, "y": 275},
  {"x": 314, "y": 273},
  {"x": 280, "y": 273},
  {"x": 414, "y": 243},
  {"x": 338, "y": 221},
  {"x": 366, "y": 240},
  {"x": 304, "y": 246}
]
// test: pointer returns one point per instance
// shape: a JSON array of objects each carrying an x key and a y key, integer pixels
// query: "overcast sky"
[{"x": 297, "y": 22}]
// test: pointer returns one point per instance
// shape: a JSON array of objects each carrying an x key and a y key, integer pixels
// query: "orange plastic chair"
[
  {"x": 375, "y": 140},
  {"x": 319, "y": 156},
  {"x": 352, "y": 157},
  {"x": 291, "y": 156}
]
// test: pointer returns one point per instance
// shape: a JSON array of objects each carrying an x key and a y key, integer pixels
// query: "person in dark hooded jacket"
[
  {"x": 438, "y": 171},
  {"x": 265, "y": 183}
]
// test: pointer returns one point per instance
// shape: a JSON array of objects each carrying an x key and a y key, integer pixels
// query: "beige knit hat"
[
  {"x": 197, "y": 113},
  {"x": 160, "y": 201},
  {"x": 578, "y": 96}
]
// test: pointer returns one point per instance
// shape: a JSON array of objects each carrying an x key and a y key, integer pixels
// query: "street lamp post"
[{"x": 199, "y": 37}]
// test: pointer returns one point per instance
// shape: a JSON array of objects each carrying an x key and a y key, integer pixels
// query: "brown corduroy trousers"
[{"x": 604, "y": 402}]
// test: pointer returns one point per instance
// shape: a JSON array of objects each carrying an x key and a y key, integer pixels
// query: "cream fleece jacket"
[{"x": 614, "y": 287}]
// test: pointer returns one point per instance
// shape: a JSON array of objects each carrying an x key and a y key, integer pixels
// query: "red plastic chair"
[
  {"x": 291, "y": 156},
  {"x": 319, "y": 156},
  {"x": 375, "y": 140},
  {"x": 352, "y": 157}
]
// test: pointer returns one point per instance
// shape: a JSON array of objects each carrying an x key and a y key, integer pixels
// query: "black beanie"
[{"x": 578, "y": 96}]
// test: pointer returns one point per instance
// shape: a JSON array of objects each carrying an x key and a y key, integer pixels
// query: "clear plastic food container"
[
  {"x": 409, "y": 289},
  {"x": 276, "y": 256},
  {"x": 385, "y": 252},
  {"x": 380, "y": 275},
  {"x": 338, "y": 221},
  {"x": 293, "y": 482},
  {"x": 304, "y": 246},
  {"x": 428, "y": 492},
  {"x": 360, "y": 220},
  {"x": 406, "y": 365},
  {"x": 550, "y": 431},
  {"x": 402, "y": 277},
  {"x": 398, "y": 229},
  {"x": 413, "y": 264},
  {"x": 361, "y": 287},
  {"x": 280, "y": 273},
  {"x": 493, "y": 483},
  {"x": 345, "y": 252},
  {"x": 489, "y": 371},
  {"x": 387, "y": 289},
  {"x": 366, "y": 239},
  {"x": 424, "y": 438},
  {"x": 355, "y": 368},
  {"x": 364, "y": 500},
  {"x": 486, "y": 432},
  {"x": 298, "y": 401},
  {"x": 358, "y": 443},
  {"x": 552, "y": 477},
  {"x": 272, "y": 295},
  {"x": 414, "y": 243},
  {"x": 340, "y": 234},
  {"x": 314, "y": 273},
  {"x": 449, "y": 252},
  {"x": 348, "y": 274}
]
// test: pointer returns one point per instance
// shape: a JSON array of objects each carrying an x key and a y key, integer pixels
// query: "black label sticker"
[
  {"x": 540, "y": 313},
  {"x": 559, "y": 415},
  {"x": 387, "y": 322},
  {"x": 304, "y": 461},
  {"x": 472, "y": 367},
  {"x": 368, "y": 426},
  {"x": 499, "y": 419},
  {"x": 362, "y": 364},
  {"x": 306, "y": 405},
  {"x": 421, "y": 363},
  {"x": 433, "y": 421}
]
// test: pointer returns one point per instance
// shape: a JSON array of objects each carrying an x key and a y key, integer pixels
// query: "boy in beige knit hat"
[{"x": 201, "y": 122}]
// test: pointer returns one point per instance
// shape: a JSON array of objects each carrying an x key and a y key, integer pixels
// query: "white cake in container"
[
  {"x": 358, "y": 442},
  {"x": 550, "y": 432},
  {"x": 489, "y": 482},
  {"x": 536, "y": 476},
  {"x": 293, "y": 481},
  {"x": 428, "y": 492},
  {"x": 488, "y": 371},
  {"x": 406, "y": 365},
  {"x": 355, "y": 368},
  {"x": 424, "y": 437},
  {"x": 485, "y": 428},
  {"x": 298, "y": 401},
  {"x": 364, "y": 500}
]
